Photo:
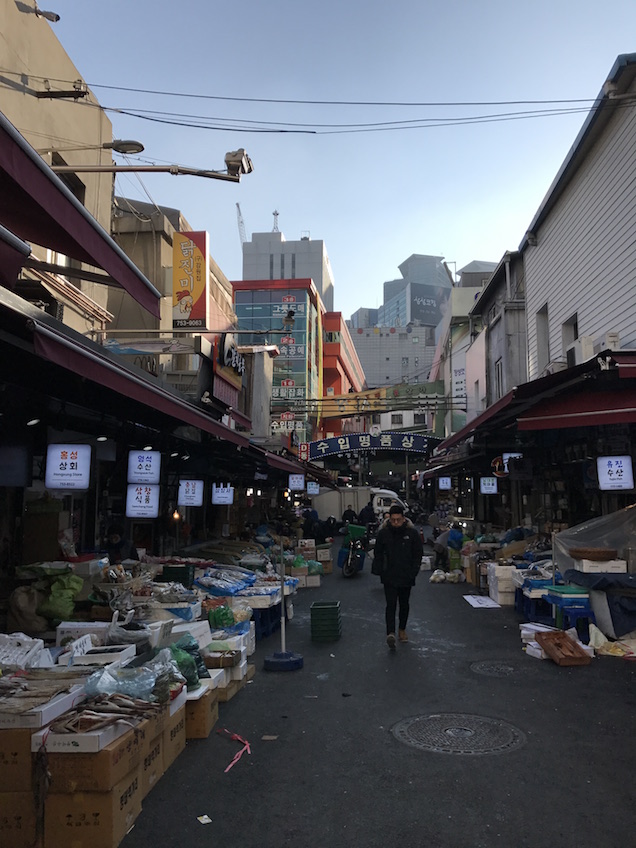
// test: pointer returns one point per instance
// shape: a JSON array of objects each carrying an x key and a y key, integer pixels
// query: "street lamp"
[
  {"x": 237, "y": 163},
  {"x": 118, "y": 145}
]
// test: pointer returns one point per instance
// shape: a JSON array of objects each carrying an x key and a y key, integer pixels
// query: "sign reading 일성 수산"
[
  {"x": 144, "y": 466},
  {"x": 142, "y": 501},
  {"x": 190, "y": 493},
  {"x": 366, "y": 441},
  {"x": 68, "y": 467}
]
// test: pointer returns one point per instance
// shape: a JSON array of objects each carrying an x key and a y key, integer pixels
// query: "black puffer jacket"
[{"x": 398, "y": 554}]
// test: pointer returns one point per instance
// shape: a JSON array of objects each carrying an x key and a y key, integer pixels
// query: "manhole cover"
[
  {"x": 493, "y": 669},
  {"x": 452, "y": 733}
]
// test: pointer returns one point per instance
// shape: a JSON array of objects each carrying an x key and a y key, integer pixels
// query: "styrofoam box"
[
  {"x": 503, "y": 598},
  {"x": 45, "y": 713},
  {"x": 217, "y": 678},
  {"x": 74, "y": 629},
  {"x": 89, "y": 742},
  {"x": 611, "y": 566},
  {"x": 313, "y": 581},
  {"x": 199, "y": 629},
  {"x": 238, "y": 672},
  {"x": 178, "y": 702},
  {"x": 106, "y": 655}
]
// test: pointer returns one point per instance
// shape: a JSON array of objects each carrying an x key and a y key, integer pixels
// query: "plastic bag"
[
  {"x": 60, "y": 603},
  {"x": 129, "y": 633},
  {"x": 221, "y": 616},
  {"x": 187, "y": 666},
  {"x": 189, "y": 644},
  {"x": 168, "y": 675},
  {"x": 438, "y": 576},
  {"x": 456, "y": 575},
  {"x": 136, "y": 682},
  {"x": 314, "y": 567}
]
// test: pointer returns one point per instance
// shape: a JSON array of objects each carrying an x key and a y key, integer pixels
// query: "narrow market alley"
[{"x": 502, "y": 749}]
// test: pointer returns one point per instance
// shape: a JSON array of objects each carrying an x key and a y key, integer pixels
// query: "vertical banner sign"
[
  {"x": 142, "y": 501},
  {"x": 144, "y": 466},
  {"x": 190, "y": 273},
  {"x": 190, "y": 493}
]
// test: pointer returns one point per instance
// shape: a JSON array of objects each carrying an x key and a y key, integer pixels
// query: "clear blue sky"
[{"x": 464, "y": 192}]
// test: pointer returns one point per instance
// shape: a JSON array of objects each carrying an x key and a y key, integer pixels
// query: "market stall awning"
[
  {"x": 13, "y": 252},
  {"x": 37, "y": 207},
  {"x": 100, "y": 368},
  {"x": 626, "y": 364},
  {"x": 583, "y": 409}
]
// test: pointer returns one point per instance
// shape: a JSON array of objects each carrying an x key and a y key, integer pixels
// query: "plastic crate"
[
  {"x": 19, "y": 651},
  {"x": 183, "y": 574},
  {"x": 355, "y": 531}
]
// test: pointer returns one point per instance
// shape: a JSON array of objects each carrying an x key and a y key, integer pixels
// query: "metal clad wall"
[{"x": 585, "y": 260}]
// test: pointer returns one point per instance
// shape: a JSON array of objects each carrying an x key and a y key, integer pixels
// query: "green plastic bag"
[
  {"x": 314, "y": 567},
  {"x": 221, "y": 617},
  {"x": 60, "y": 602},
  {"x": 187, "y": 666}
]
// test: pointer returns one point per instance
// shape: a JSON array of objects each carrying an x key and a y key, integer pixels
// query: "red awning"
[
  {"x": 36, "y": 206},
  {"x": 581, "y": 410},
  {"x": 100, "y": 368},
  {"x": 626, "y": 364}
]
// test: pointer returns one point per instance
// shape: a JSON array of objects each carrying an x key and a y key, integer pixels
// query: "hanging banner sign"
[
  {"x": 190, "y": 272},
  {"x": 488, "y": 485},
  {"x": 365, "y": 441},
  {"x": 68, "y": 467},
  {"x": 142, "y": 501},
  {"x": 222, "y": 494},
  {"x": 190, "y": 493},
  {"x": 144, "y": 466},
  {"x": 313, "y": 488}
]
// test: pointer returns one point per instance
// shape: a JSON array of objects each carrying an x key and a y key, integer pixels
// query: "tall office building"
[{"x": 269, "y": 256}]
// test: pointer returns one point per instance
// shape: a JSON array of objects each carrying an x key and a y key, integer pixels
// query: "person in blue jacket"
[{"x": 397, "y": 558}]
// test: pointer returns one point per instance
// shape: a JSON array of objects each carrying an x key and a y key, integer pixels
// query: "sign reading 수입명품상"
[
  {"x": 222, "y": 494},
  {"x": 393, "y": 441},
  {"x": 68, "y": 466}
]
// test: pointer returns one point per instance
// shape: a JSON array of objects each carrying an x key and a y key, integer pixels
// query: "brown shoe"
[
  {"x": 402, "y": 636},
  {"x": 390, "y": 640}
]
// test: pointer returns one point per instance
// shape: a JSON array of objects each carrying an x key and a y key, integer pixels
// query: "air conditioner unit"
[
  {"x": 580, "y": 351},
  {"x": 553, "y": 367}
]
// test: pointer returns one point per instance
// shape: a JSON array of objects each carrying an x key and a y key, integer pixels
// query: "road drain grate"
[{"x": 452, "y": 733}]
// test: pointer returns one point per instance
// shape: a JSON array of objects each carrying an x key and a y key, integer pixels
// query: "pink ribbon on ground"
[{"x": 236, "y": 738}]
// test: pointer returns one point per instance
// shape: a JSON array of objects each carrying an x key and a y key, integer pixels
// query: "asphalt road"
[{"x": 559, "y": 770}]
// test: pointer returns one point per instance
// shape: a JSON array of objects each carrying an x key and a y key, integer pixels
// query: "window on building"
[
  {"x": 569, "y": 332},
  {"x": 419, "y": 418},
  {"x": 293, "y": 266},
  {"x": 282, "y": 266},
  {"x": 416, "y": 361},
  {"x": 387, "y": 358},
  {"x": 498, "y": 379},
  {"x": 375, "y": 418},
  {"x": 405, "y": 362},
  {"x": 416, "y": 339},
  {"x": 543, "y": 338},
  {"x": 271, "y": 266},
  {"x": 396, "y": 418}
]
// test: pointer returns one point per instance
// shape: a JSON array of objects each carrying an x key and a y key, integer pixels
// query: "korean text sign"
[{"x": 68, "y": 466}]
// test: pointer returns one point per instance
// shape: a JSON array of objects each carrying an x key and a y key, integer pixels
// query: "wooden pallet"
[{"x": 562, "y": 649}]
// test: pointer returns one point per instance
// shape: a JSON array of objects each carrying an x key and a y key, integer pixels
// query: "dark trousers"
[{"x": 393, "y": 595}]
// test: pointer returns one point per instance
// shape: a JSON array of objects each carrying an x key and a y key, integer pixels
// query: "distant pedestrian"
[
  {"x": 349, "y": 515},
  {"x": 397, "y": 560},
  {"x": 367, "y": 515}
]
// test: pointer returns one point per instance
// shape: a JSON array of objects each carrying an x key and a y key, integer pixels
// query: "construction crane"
[{"x": 241, "y": 225}]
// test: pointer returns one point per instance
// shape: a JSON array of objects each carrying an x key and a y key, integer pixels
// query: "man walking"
[{"x": 397, "y": 559}]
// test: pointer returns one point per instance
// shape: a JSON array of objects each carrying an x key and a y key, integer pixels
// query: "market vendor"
[{"x": 118, "y": 546}]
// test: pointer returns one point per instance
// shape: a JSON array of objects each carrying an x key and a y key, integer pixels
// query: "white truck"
[{"x": 336, "y": 501}]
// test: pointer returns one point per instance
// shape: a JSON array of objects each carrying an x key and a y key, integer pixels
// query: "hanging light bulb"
[{"x": 176, "y": 515}]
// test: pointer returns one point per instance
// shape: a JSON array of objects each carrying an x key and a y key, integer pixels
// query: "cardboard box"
[
  {"x": 307, "y": 544},
  {"x": 174, "y": 737},
  {"x": 106, "y": 654},
  {"x": 202, "y": 714},
  {"x": 46, "y": 713},
  {"x": 15, "y": 760},
  {"x": 93, "y": 819},
  {"x": 294, "y": 571},
  {"x": 98, "y": 772},
  {"x": 302, "y": 583},
  {"x": 251, "y": 671},
  {"x": 17, "y": 819},
  {"x": 313, "y": 581},
  {"x": 327, "y": 566},
  {"x": 152, "y": 767},
  {"x": 323, "y": 554}
]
